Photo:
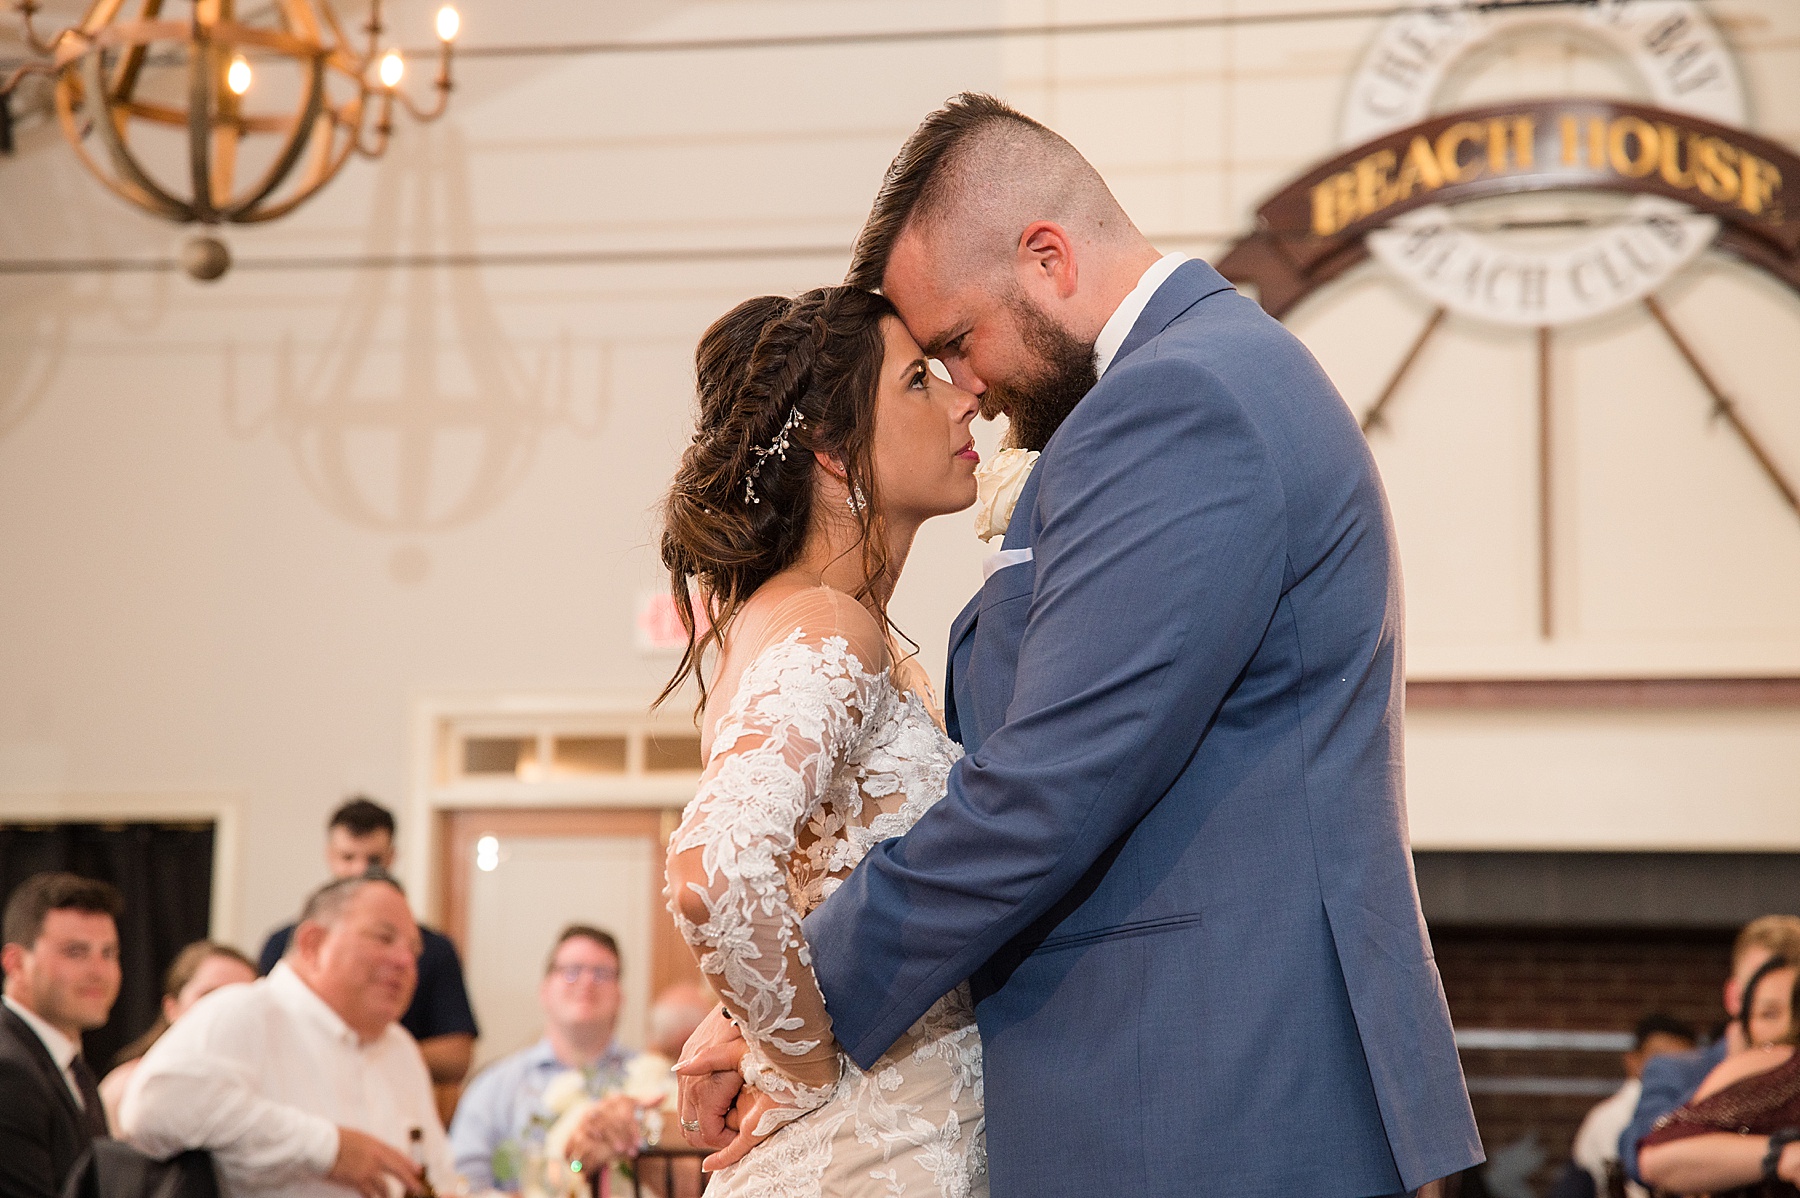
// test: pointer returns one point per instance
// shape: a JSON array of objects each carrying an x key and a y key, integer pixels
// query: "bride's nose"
[{"x": 964, "y": 406}]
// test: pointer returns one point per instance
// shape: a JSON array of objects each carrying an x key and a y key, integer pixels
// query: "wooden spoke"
[
  {"x": 1373, "y": 417},
  {"x": 1723, "y": 407}
]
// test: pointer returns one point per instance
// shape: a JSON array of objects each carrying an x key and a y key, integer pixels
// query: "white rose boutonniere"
[{"x": 997, "y": 487}]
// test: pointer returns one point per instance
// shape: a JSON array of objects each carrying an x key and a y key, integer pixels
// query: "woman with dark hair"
[
  {"x": 1739, "y": 1135},
  {"x": 1765, "y": 1013},
  {"x": 825, "y": 439},
  {"x": 196, "y": 971}
]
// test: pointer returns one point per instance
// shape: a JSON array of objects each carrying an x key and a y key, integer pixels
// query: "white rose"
[
  {"x": 997, "y": 487},
  {"x": 564, "y": 1091},
  {"x": 556, "y": 1144},
  {"x": 648, "y": 1078}
]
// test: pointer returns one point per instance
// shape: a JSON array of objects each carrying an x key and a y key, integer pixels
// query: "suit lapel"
[
  {"x": 963, "y": 626},
  {"x": 46, "y": 1064},
  {"x": 960, "y": 630},
  {"x": 1018, "y": 529}
]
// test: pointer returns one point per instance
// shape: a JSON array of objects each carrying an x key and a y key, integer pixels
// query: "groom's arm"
[{"x": 1159, "y": 562}]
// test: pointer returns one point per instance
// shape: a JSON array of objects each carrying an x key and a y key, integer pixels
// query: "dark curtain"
[{"x": 164, "y": 872}]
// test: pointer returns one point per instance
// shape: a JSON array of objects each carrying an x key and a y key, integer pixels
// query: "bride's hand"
[
  {"x": 752, "y": 1106},
  {"x": 710, "y": 1081}
]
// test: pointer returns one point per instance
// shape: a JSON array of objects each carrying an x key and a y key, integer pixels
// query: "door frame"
[{"x": 460, "y": 827}]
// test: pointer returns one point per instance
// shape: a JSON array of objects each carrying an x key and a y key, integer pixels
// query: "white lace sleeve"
[{"x": 795, "y": 714}]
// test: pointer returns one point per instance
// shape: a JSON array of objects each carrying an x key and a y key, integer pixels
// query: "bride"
[{"x": 825, "y": 440}]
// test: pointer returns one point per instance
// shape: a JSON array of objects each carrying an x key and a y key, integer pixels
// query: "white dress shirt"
[
  {"x": 263, "y": 1075},
  {"x": 62, "y": 1050},
  {"x": 1118, "y": 325},
  {"x": 1597, "y": 1143}
]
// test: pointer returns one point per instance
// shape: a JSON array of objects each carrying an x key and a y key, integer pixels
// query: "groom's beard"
[{"x": 1038, "y": 403}]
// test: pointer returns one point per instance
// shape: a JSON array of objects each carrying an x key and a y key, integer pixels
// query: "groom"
[{"x": 1173, "y": 864}]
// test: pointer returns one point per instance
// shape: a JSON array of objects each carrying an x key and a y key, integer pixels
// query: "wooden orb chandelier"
[{"x": 199, "y": 115}]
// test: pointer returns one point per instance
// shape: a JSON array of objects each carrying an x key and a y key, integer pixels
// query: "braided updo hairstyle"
[{"x": 738, "y": 514}]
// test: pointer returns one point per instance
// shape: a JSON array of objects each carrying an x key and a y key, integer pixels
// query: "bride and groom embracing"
[{"x": 1156, "y": 850}]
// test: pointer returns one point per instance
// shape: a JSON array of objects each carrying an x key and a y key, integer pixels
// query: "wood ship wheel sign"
[{"x": 1684, "y": 176}]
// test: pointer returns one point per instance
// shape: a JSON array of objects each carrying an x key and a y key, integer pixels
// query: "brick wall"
[{"x": 1568, "y": 980}]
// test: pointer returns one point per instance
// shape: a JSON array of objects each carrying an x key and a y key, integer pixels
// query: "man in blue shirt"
[
  {"x": 360, "y": 838},
  {"x": 505, "y": 1113},
  {"x": 1669, "y": 1081}
]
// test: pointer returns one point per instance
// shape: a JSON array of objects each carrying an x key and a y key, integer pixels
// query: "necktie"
[{"x": 95, "y": 1115}]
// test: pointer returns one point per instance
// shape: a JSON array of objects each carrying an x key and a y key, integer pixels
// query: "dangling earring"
[{"x": 856, "y": 500}]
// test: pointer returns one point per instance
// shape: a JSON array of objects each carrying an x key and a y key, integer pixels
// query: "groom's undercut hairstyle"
[{"x": 980, "y": 170}]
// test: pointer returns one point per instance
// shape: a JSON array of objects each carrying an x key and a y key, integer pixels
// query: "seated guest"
[
  {"x": 1768, "y": 1004},
  {"x": 303, "y": 1082},
  {"x": 1740, "y": 1132},
  {"x": 1669, "y": 1081},
  {"x": 61, "y": 958},
  {"x": 675, "y": 1014},
  {"x": 359, "y": 837},
  {"x": 1596, "y": 1150},
  {"x": 197, "y": 971},
  {"x": 503, "y": 1116}
]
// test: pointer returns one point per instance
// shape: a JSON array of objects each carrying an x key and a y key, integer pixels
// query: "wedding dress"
[{"x": 824, "y": 747}]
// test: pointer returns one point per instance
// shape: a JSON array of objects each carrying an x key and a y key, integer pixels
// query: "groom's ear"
[{"x": 1047, "y": 257}]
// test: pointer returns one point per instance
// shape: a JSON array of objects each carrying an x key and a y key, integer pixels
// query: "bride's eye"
[{"x": 919, "y": 379}]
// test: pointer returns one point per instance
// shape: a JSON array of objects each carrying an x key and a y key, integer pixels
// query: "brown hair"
[
  {"x": 1778, "y": 934},
  {"x": 917, "y": 180},
  {"x": 582, "y": 931},
  {"x": 34, "y": 898},
  {"x": 360, "y": 815},
  {"x": 777, "y": 380},
  {"x": 181, "y": 971}
]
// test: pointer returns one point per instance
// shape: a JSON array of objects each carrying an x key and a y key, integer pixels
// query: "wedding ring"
[{"x": 690, "y": 1125}]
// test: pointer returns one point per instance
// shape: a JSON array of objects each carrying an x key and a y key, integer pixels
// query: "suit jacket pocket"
[
  {"x": 1121, "y": 931},
  {"x": 1012, "y": 582}
]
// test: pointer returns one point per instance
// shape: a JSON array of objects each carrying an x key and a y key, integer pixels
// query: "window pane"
[{"x": 590, "y": 754}]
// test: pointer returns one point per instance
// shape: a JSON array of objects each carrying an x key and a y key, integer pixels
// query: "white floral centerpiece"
[
  {"x": 573, "y": 1094},
  {"x": 997, "y": 486},
  {"x": 570, "y": 1096}
]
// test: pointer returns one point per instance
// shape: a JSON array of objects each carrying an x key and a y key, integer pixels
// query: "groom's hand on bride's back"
[{"x": 710, "y": 1081}]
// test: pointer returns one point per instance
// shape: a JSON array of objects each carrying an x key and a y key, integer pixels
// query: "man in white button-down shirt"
[{"x": 302, "y": 1085}]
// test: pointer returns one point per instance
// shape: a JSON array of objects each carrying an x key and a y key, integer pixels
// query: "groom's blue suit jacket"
[{"x": 1174, "y": 862}]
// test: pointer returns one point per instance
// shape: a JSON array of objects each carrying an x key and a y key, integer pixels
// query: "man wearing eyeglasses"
[{"x": 503, "y": 1115}]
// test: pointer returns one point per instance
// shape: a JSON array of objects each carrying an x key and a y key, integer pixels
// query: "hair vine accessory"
[{"x": 775, "y": 449}]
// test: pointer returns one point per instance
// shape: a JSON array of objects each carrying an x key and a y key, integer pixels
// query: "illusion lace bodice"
[{"x": 823, "y": 747}]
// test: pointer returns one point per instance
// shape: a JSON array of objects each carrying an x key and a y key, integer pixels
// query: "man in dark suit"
[{"x": 61, "y": 958}]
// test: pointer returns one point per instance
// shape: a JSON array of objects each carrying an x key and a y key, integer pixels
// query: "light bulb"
[
  {"x": 392, "y": 67},
  {"x": 448, "y": 22},
  {"x": 237, "y": 75}
]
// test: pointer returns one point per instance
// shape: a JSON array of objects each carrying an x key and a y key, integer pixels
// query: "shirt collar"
[
  {"x": 1118, "y": 325},
  {"x": 62, "y": 1049},
  {"x": 291, "y": 990}
]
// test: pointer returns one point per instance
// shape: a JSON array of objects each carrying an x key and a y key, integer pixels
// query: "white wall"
[{"x": 245, "y": 526}]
